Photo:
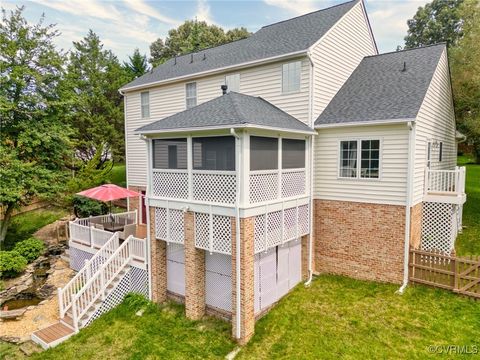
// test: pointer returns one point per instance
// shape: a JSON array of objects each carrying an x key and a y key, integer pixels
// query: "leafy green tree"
[
  {"x": 192, "y": 36},
  {"x": 34, "y": 140},
  {"x": 465, "y": 69},
  {"x": 92, "y": 82},
  {"x": 437, "y": 21},
  {"x": 137, "y": 64}
]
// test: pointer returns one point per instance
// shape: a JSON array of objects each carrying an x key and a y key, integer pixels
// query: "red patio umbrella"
[{"x": 108, "y": 192}]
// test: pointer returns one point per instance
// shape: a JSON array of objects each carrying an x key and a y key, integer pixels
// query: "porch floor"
[{"x": 52, "y": 335}]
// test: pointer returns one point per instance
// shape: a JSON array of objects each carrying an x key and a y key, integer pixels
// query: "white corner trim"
[
  {"x": 365, "y": 123},
  {"x": 214, "y": 71}
]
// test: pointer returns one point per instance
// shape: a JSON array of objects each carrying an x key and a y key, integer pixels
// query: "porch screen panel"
[
  {"x": 214, "y": 153},
  {"x": 293, "y": 154},
  {"x": 263, "y": 153},
  {"x": 170, "y": 154}
]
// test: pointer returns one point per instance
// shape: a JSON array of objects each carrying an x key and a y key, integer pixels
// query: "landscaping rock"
[
  {"x": 38, "y": 318},
  {"x": 29, "y": 348}
]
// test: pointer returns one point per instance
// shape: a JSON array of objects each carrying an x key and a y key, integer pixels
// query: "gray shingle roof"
[
  {"x": 378, "y": 89},
  {"x": 232, "y": 109},
  {"x": 281, "y": 38}
]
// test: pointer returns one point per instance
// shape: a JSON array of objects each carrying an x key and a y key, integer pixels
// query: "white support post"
[
  {"x": 168, "y": 222},
  {"x": 91, "y": 236},
  {"x": 266, "y": 228},
  {"x": 60, "y": 302},
  {"x": 190, "y": 167},
  {"x": 149, "y": 190},
  {"x": 283, "y": 224},
  {"x": 245, "y": 171},
  {"x": 210, "y": 231},
  {"x": 87, "y": 267},
  {"x": 426, "y": 181},
  {"x": 279, "y": 179},
  {"x": 102, "y": 283},
  {"x": 74, "y": 315}
]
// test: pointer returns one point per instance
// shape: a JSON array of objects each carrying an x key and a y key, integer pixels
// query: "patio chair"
[
  {"x": 99, "y": 226},
  {"x": 128, "y": 230}
]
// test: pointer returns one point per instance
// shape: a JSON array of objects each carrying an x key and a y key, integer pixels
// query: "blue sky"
[{"x": 124, "y": 25}]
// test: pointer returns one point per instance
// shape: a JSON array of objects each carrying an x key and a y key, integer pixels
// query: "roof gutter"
[
  {"x": 365, "y": 123},
  {"x": 213, "y": 71},
  {"x": 226, "y": 127}
]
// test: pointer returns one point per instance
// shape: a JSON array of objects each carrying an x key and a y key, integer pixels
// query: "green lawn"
[
  {"x": 336, "y": 317},
  {"x": 24, "y": 225},
  {"x": 468, "y": 243},
  {"x": 118, "y": 175}
]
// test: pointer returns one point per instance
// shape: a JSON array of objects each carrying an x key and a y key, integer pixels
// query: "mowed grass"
[
  {"x": 468, "y": 243},
  {"x": 162, "y": 332},
  {"x": 118, "y": 175},
  {"x": 342, "y": 318},
  {"x": 335, "y": 318}
]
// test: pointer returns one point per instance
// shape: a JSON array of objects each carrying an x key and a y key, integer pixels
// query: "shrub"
[
  {"x": 30, "y": 249},
  {"x": 84, "y": 207},
  {"x": 11, "y": 263}
]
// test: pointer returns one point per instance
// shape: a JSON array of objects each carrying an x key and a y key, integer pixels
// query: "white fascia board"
[
  {"x": 225, "y": 127},
  {"x": 214, "y": 71},
  {"x": 364, "y": 123}
]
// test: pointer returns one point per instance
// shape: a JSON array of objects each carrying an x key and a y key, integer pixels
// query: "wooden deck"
[{"x": 52, "y": 335}]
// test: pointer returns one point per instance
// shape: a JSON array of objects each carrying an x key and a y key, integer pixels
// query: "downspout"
[
  {"x": 147, "y": 209},
  {"x": 311, "y": 237},
  {"x": 410, "y": 168},
  {"x": 237, "y": 236}
]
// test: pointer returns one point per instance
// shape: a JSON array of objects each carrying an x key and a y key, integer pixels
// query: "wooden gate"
[{"x": 458, "y": 274}]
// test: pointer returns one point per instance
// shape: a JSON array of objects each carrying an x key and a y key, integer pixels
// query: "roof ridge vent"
[{"x": 404, "y": 66}]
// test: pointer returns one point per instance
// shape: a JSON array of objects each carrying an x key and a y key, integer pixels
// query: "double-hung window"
[
  {"x": 170, "y": 153},
  {"x": 191, "y": 94},
  {"x": 359, "y": 159},
  {"x": 291, "y": 77},
  {"x": 145, "y": 104}
]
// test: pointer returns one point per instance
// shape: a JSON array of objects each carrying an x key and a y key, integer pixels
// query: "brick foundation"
[
  {"x": 247, "y": 258},
  {"x": 135, "y": 202},
  {"x": 158, "y": 263},
  {"x": 305, "y": 247},
  {"x": 363, "y": 241},
  {"x": 416, "y": 225},
  {"x": 194, "y": 272}
]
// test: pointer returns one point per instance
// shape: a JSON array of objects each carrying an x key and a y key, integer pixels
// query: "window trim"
[
  {"x": 142, "y": 105},
  {"x": 299, "y": 82},
  {"x": 187, "y": 98},
  {"x": 359, "y": 158}
]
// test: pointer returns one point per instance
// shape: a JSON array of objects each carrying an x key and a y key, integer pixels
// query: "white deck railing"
[
  {"x": 445, "y": 182},
  {"x": 124, "y": 218}
]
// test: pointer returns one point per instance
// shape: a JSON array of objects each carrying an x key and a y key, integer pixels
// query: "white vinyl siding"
[
  {"x": 233, "y": 82},
  {"x": 166, "y": 100},
  {"x": 145, "y": 104},
  {"x": 291, "y": 75},
  {"x": 390, "y": 188},
  {"x": 338, "y": 54},
  {"x": 435, "y": 124},
  {"x": 191, "y": 95}
]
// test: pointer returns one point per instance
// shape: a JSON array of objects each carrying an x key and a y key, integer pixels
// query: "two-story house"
[{"x": 296, "y": 151}]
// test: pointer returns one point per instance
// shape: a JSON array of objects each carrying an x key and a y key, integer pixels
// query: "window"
[
  {"x": 440, "y": 152},
  {"x": 214, "y": 153},
  {"x": 233, "y": 82},
  {"x": 191, "y": 94},
  {"x": 293, "y": 154},
  {"x": 263, "y": 153},
  {"x": 363, "y": 152},
  {"x": 145, "y": 104},
  {"x": 291, "y": 77},
  {"x": 170, "y": 154}
]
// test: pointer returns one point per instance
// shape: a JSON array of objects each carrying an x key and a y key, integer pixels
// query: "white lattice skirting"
[
  {"x": 169, "y": 225},
  {"x": 134, "y": 281},
  {"x": 78, "y": 257},
  {"x": 440, "y": 226},
  {"x": 218, "y": 281}
]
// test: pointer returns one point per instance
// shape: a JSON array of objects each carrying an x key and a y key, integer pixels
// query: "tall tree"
[
  {"x": 192, "y": 36},
  {"x": 92, "y": 83},
  {"x": 437, "y": 21},
  {"x": 465, "y": 68},
  {"x": 34, "y": 140},
  {"x": 137, "y": 64}
]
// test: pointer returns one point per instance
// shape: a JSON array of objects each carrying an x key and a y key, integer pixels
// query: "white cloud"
[
  {"x": 92, "y": 8},
  {"x": 142, "y": 7},
  {"x": 297, "y": 7},
  {"x": 203, "y": 12}
]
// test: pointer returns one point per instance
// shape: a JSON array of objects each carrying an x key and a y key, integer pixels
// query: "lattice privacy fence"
[
  {"x": 215, "y": 188},
  {"x": 170, "y": 184},
  {"x": 135, "y": 280},
  {"x": 176, "y": 269},
  {"x": 439, "y": 226},
  {"x": 213, "y": 233},
  {"x": 169, "y": 225},
  {"x": 278, "y": 227},
  {"x": 218, "y": 281}
]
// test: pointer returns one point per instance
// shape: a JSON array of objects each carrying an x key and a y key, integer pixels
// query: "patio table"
[{"x": 113, "y": 227}]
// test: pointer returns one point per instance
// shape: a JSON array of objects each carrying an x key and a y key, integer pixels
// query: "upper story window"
[
  {"x": 263, "y": 153},
  {"x": 214, "y": 153},
  {"x": 145, "y": 104},
  {"x": 291, "y": 77},
  {"x": 233, "y": 82},
  {"x": 170, "y": 154},
  {"x": 293, "y": 154},
  {"x": 191, "y": 94},
  {"x": 360, "y": 159}
]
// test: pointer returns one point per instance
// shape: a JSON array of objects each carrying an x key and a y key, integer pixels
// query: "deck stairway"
[{"x": 81, "y": 300}]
